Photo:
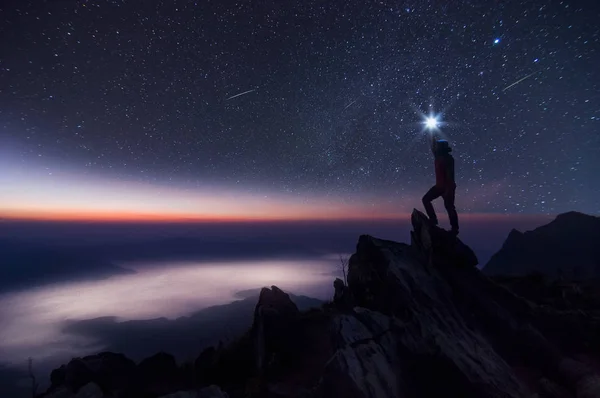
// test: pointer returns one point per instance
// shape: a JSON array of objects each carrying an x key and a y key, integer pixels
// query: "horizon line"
[{"x": 146, "y": 218}]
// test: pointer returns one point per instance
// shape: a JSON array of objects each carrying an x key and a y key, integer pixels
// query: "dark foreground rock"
[{"x": 416, "y": 320}]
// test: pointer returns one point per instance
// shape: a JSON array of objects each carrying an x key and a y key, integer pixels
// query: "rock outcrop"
[
  {"x": 342, "y": 296},
  {"x": 416, "y": 320},
  {"x": 567, "y": 248},
  {"x": 160, "y": 374},
  {"x": 109, "y": 371},
  {"x": 273, "y": 319}
]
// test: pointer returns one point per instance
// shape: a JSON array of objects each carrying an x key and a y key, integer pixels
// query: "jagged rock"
[
  {"x": 339, "y": 287},
  {"x": 204, "y": 365},
  {"x": 342, "y": 297},
  {"x": 58, "y": 376},
  {"x": 439, "y": 246},
  {"x": 276, "y": 300},
  {"x": 385, "y": 277},
  {"x": 454, "y": 319},
  {"x": 365, "y": 363},
  {"x": 289, "y": 348},
  {"x": 272, "y": 317}
]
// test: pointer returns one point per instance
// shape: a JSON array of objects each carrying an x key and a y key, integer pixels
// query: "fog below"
[
  {"x": 37, "y": 322},
  {"x": 75, "y": 289}
]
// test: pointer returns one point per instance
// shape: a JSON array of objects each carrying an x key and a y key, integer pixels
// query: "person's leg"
[
  {"x": 451, "y": 209},
  {"x": 432, "y": 194}
]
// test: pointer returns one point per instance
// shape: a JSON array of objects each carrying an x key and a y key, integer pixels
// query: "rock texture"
[
  {"x": 416, "y": 320},
  {"x": 567, "y": 248}
]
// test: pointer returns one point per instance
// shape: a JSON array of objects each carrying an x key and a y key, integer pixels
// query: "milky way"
[{"x": 334, "y": 93}]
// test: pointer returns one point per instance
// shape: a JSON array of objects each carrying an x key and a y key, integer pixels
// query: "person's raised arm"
[{"x": 433, "y": 139}]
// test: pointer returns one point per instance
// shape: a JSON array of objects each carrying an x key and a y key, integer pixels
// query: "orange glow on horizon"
[
  {"x": 125, "y": 216},
  {"x": 29, "y": 193}
]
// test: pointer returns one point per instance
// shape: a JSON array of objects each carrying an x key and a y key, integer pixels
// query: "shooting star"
[
  {"x": 350, "y": 104},
  {"x": 519, "y": 81},
  {"x": 237, "y": 95}
]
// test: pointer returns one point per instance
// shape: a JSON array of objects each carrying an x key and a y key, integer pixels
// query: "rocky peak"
[
  {"x": 424, "y": 309},
  {"x": 416, "y": 320},
  {"x": 272, "y": 318},
  {"x": 275, "y": 299}
]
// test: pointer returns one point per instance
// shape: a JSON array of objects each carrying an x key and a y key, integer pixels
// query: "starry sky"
[{"x": 234, "y": 109}]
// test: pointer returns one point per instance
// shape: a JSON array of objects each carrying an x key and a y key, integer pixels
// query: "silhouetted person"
[{"x": 445, "y": 186}]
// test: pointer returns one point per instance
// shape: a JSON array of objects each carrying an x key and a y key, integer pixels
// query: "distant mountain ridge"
[
  {"x": 24, "y": 264},
  {"x": 181, "y": 336},
  {"x": 566, "y": 247}
]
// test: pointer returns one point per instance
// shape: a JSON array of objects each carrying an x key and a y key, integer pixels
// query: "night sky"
[{"x": 296, "y": 108}]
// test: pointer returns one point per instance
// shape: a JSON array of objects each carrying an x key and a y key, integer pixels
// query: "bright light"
[
  {"x": 496, "y": 41},
  {"x": 431, "y": 123}
]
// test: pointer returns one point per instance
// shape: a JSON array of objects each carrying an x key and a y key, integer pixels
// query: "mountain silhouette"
[
  {"x": 566, "y": 247},
  {"x": 24, "y": 264},
  {"x": 184, "y": 337}
]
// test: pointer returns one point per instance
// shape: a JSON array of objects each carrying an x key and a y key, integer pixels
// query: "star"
[{"x": 431, "y": 123}]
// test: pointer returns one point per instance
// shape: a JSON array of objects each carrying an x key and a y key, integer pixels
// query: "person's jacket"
[{"x": 444, "y": 171}]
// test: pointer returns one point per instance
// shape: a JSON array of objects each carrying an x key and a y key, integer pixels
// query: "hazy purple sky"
[{"x": 218, "y": 109}]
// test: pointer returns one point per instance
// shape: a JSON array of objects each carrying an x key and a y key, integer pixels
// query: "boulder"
[
  {"x": 439, "y": 246},
  {"x": 158, "y": 365},
  {"x": 159, "y": 374},
  {"x": 342, "y": 297},
  {"x": 109, "y": 371}
]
